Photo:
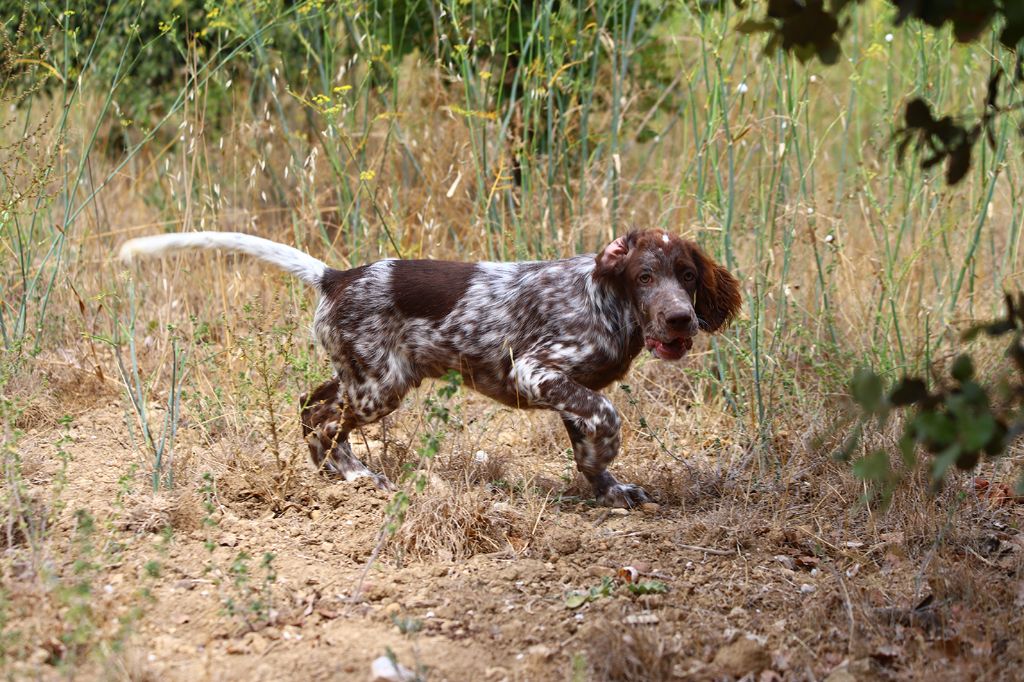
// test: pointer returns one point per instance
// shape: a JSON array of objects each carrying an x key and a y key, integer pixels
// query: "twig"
[{"x": 708, "y": 550}]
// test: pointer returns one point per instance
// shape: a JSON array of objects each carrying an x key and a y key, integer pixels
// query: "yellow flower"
[
  {"x": 484, "y": 75},
  {"x": 367, "y": 175},
  {"x": 338, "y": 89}
]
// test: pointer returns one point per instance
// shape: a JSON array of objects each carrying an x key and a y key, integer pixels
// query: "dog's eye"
[
  {"x": 644, "y": 278},
  {"x": 689, "y": 276}
]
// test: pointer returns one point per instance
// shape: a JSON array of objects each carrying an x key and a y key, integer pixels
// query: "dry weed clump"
[
  {"x": 455, "y": 522},
  {"x": 130, "y": 665},
  {"x": 477, "y": 468},
  {"x": 149, "y": 512},
  {"x": 625, "y": 653}
]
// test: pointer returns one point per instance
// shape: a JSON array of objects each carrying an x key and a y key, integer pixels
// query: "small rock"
[
  {"x": 256, "y": 643},
  {"x": 337, "y": 495},
  {"x": 392, "y": 609},
  {"x": 841, "y": 675},
  {"x": 650, "y": 507},
  {"x": 236, "y": 648},
  {"x": 228, "y": 540},
  {"x": 540, "y": 652},
  {"x": 641, "y": 619},
  {"x": 315, "y": 514},
  {"x": 383, "y": 669},
  {"x": 807, "y": 588},
  {"x": 785, "y": 561},
  {"x": 598, "y": 571},
  {"x": 741, "y": 657},
  {"x": 377, "y": 591}
]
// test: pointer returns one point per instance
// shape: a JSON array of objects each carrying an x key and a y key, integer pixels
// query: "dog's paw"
[
  {"x": 351, "y": 469},
  {"x": 624, "y": 495}
]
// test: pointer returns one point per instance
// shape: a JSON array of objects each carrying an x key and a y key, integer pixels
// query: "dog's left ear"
[
  {"x": 718, "y": 293},
  {"x": 612, "y": 259}
]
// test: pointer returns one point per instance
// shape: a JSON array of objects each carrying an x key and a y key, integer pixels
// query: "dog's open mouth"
[{"x": 670, "y": 350}]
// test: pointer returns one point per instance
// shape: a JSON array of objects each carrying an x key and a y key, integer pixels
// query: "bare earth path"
[{"x": 777, "y": 580}]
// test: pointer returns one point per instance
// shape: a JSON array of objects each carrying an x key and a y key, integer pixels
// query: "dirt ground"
[{"x": 779, "y": 575}]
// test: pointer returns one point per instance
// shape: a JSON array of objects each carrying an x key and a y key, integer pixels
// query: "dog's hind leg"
[{"x": 326, "y": 424}]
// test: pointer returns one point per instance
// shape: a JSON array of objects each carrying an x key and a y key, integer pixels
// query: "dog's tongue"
[{"x": 669, "y": 350}]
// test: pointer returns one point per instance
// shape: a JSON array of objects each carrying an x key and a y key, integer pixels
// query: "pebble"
[
  {"x": 742, "y": 657},
  {"x": 383, "y": 669}
]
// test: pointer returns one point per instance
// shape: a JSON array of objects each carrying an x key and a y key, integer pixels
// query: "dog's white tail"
[{"x": 300, "y": 264}]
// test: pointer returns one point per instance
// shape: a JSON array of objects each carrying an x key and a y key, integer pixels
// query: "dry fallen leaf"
[
  {"x": 628, "y": 574},
  {"x": 641, "y": 619}
]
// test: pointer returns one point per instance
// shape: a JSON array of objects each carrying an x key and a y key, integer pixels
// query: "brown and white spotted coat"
[{"x": 547, "y": 334}]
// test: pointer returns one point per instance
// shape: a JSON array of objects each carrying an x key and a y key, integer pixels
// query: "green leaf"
[
  {"x": 829, "y": 53},
  {"x": 873, "y": 467},
  {"x": 975, "y": 431},
  {"x": 574, "y": 600},
  {"x": 935, "y": 429},
  {"x": 996, "y": 445},
  {"x": 946, "y": 459},
  {"x": 968, "y": 460},
  {"x": 963, "y": 368},
  {"x": 866, "y": 389},
  {"x": 909, "y": 391},
  {"x": 907, "y": 447},
  {"x": 755, "y": 26},
  {"x": 647, "y": 587},
  {"x": 850, "y": 444},
  {"x": 605, "y": 589}
]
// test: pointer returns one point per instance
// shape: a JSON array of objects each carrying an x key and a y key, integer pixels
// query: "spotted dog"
[{"x": 543, "y": 334}]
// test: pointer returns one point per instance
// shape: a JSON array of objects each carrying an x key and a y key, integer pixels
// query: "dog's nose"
[{"x": 679, "y": 321}]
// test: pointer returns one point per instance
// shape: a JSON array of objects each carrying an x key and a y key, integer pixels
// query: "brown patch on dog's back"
[
  {"x": 334, "y": 282},
  {"x": 429, "y": 288}
]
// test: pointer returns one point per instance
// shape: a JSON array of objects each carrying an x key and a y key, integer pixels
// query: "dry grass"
[
  {"x": 622, "y": 653},
  {"x": 734, "y": 443}
]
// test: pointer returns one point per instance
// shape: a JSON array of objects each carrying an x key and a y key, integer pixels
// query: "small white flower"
[
  {"x": 742, "y": 88},
  {"x": 888, "y": 37}
]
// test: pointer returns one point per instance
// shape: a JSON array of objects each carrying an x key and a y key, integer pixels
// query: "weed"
[{"x": 251, "y": 603}]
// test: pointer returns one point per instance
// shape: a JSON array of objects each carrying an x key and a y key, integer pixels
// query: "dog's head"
[{"x": 675, "y": 288}]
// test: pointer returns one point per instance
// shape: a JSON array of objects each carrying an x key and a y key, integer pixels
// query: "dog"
[{"x": 541, "y": 334}]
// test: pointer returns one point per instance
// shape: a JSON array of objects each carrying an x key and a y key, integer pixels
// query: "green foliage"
[
  {"x": 158, "y": 446},
  {"x": 577, "y": 598},
  {"x": 647, "y": 587},
  {"x": 958, "y": 423},
  {"x": 415, "y": 473},
  {"x": 250, "y": 603},
  {"x": 812, "y": 29}
]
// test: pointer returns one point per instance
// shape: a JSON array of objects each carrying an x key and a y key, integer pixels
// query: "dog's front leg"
[{"x": 593, "y": 426}]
